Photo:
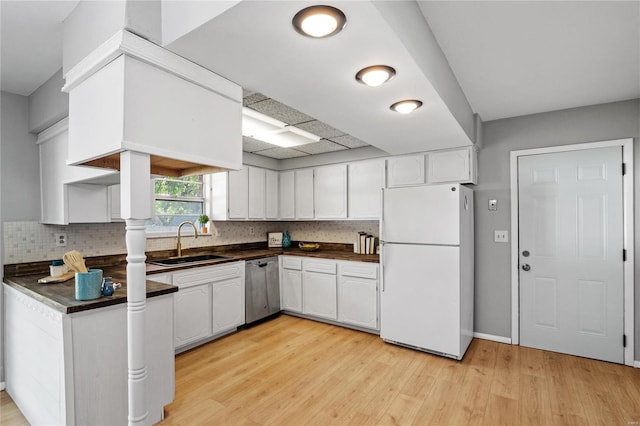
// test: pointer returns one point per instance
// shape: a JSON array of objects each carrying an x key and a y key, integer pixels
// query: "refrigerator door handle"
[{"x": 382, "y": 242}]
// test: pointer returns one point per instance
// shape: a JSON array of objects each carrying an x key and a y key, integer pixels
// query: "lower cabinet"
[
  {"x": 209, "y": 302},
  {"x": 342, "y": 292}
]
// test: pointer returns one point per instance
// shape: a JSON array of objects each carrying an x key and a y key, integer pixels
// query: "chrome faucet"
[{"x": 180, "y": 228}]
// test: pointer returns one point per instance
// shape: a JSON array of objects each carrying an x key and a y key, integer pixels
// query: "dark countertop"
[{"x": 61, "y": 296}]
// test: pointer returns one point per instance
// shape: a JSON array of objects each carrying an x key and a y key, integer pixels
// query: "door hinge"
[
  {"x": 624, "y": 340},
  {"x": 624, "y": 169},
  {"x": 624, "y": 255}
]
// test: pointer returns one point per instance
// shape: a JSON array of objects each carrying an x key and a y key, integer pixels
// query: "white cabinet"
[
  {"x": 319, "y": 293},
  {"x": 226, "y": 297},
  {"x": 330, "y": 192},
  {"x": 64, "y": 198},
  {"x": 405, "y": 170},
  {"x": 192, "y": 307},
  {"x": 257, "y": 195},
  {"x": 358, "y": 294},
  {"x": 286, "y": 203},
  {"x": 238, "y": 197},
  {"x": 114, "y": 203},
  {"x": 271, "y": 194},
  {"x": 458, "y": 165},
  {"x": 291, "y": 283},
  {"x": 366, "y": 180},
  {"x": 304, "y": 194},
  {"x": 209, "y": 303}
]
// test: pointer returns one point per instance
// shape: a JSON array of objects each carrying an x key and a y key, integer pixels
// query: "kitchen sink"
[{"x": 185, "y": 260}]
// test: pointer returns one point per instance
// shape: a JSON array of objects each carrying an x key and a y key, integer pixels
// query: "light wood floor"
[{"x": 292, "y": 371}]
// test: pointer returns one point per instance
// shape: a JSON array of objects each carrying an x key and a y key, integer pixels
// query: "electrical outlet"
[
  {"x": 61, "y": 239},
  {"x": 501, "y": 236},
  {"x": 251, "y": 230}
]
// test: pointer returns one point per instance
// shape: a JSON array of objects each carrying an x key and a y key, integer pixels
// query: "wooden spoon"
[{"x": 74, "y": 260}]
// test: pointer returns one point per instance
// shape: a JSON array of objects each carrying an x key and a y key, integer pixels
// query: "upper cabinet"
[
  {"x": 330, "y": 192},
  {"x": 366, "y": 180},
  {"x": 304, "y": 194},
  {"x": 458, "y": 165},
  {"x": 257, "y": 193},
  {"x": 244, "y": 194},
  {"x": 406, "y": 170},
  {"x": 64, "y": 197},
  {"x": 287, "y": 193},
  {"x": 271, "y": 194}
]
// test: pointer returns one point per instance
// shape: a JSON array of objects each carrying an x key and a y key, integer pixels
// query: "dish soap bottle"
[{"x": 286, "y": 239}]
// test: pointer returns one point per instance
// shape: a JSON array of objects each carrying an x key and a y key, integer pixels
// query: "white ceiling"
[
  {"x": 515, "y": 58},
  {"x": 510, "y": 58},
  {"x": 30, "y": 42}
]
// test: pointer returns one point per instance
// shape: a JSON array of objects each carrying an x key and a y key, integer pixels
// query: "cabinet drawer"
[
  {"x": 160, "y": 278},
  {"x": 319, "y": 265},
  {"x": 359, "y": 270},
  {"x": 208, "y": 274},
  {"x": 292, "y": 263}
]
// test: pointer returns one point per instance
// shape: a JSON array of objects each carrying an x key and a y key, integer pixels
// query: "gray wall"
[
  {"x": 500, "y": 137},
  {"x": 20, "y": 162},
  {"x": 48, "y": 104}
]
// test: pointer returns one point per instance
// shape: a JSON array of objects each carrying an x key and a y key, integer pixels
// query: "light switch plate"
[
  {"x": 501, "y": 236},
  {"x": 493, "y": 205}
]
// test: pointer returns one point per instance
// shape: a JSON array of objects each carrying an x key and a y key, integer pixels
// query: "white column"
[{"x": 135, "y": 201}]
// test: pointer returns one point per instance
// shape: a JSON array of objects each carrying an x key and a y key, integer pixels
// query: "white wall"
[
  {"x": 48, "y": 104},
  {"x": 588, "y": 124},
  {"x": 20, "y": 162}
]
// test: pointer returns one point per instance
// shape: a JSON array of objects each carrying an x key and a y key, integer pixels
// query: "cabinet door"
[
  {"x": 449, "y": 166},
  {"x": 271, "y": 192},
  {"x": 304, "y": 194},
  {"x": 238, "y": 193},
  {"x": 286, "y": 203},
  {"x": 228, "y": 304},
  {"x": 256, "y": 193},
  {"x": 192, "y": 314},
  {"x": 366, "y": 180},
  {"x": 407, "y": 170},
  {"x": 88, "y": 203},
  {"x": 319, "y": 295},
  {"x": 358, "y": 302},
  {"x": 330, "y": 192},
  {"x": 291, "y": 290}
]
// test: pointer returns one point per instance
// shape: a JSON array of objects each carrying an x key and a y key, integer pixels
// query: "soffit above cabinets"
[{"x": 332, "y": 138}]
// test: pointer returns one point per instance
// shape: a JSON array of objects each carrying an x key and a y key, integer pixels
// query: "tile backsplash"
[{"x": 34, "y": 242}]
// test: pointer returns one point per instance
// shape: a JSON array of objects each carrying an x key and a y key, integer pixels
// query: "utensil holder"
[{"x": 89, "y": 284}]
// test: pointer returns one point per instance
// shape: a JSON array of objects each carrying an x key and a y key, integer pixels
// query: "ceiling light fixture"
[
  {"x": 405, "y": 107},
  {"x": 267, "y": 129},
  {"x": 319, "y": 21},
  {"x": 375, "y": 75}
]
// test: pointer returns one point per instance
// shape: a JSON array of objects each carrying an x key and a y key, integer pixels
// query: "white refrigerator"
[{"x": 427, "y": 268}]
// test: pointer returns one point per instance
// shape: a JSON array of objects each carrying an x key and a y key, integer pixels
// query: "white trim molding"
[
  {"x": 628, "y": 237},
  {"x": 499, "y": 339},
  {"x": 3, "y": 386}
]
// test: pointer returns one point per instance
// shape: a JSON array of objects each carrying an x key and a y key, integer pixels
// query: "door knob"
[{"x": 526, "y": 267}]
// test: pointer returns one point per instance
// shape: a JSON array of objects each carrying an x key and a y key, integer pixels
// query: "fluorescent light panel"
[{"x": 267, "y": 129}]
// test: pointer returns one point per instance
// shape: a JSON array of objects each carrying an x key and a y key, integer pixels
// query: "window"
[{"x": 175, "y": 201}]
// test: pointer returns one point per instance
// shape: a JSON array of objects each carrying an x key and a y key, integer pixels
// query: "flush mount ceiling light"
[
  {"x": 266, "y": 129},
  {"x": 319, "y": 21},
  {"x": 405, "y": 107},
  {"x": 375, "y": 75}
]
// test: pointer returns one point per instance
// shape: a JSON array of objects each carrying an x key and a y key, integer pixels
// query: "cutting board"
[{"x": 62, "y": 278}]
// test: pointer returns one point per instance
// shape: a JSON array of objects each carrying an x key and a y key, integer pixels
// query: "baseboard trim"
[
  {"x": 2, "y": 385},
  {"x": 636, "y": 364},
  {"x": 498, "y": 339}
]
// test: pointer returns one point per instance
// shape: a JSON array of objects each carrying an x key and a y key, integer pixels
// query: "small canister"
[{"x": 57, "y": 268}]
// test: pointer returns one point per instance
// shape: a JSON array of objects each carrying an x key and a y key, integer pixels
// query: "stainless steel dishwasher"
[{"x": 262, "y": 295}]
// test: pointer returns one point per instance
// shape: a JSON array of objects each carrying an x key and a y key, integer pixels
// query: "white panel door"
[
  {"x": 407, "y": 170},
  {"x": 192, "y": 307},
  {"x": 570, "y": 254},
  {"x": 449, "y": 166},
  {"x": 291, "y": 290},
  {"x": 358, "y": 301},
  {"x": 422, "y": 214},
  {"x": 420, "y": 298},
  {"x": 319, "y": 295}
]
